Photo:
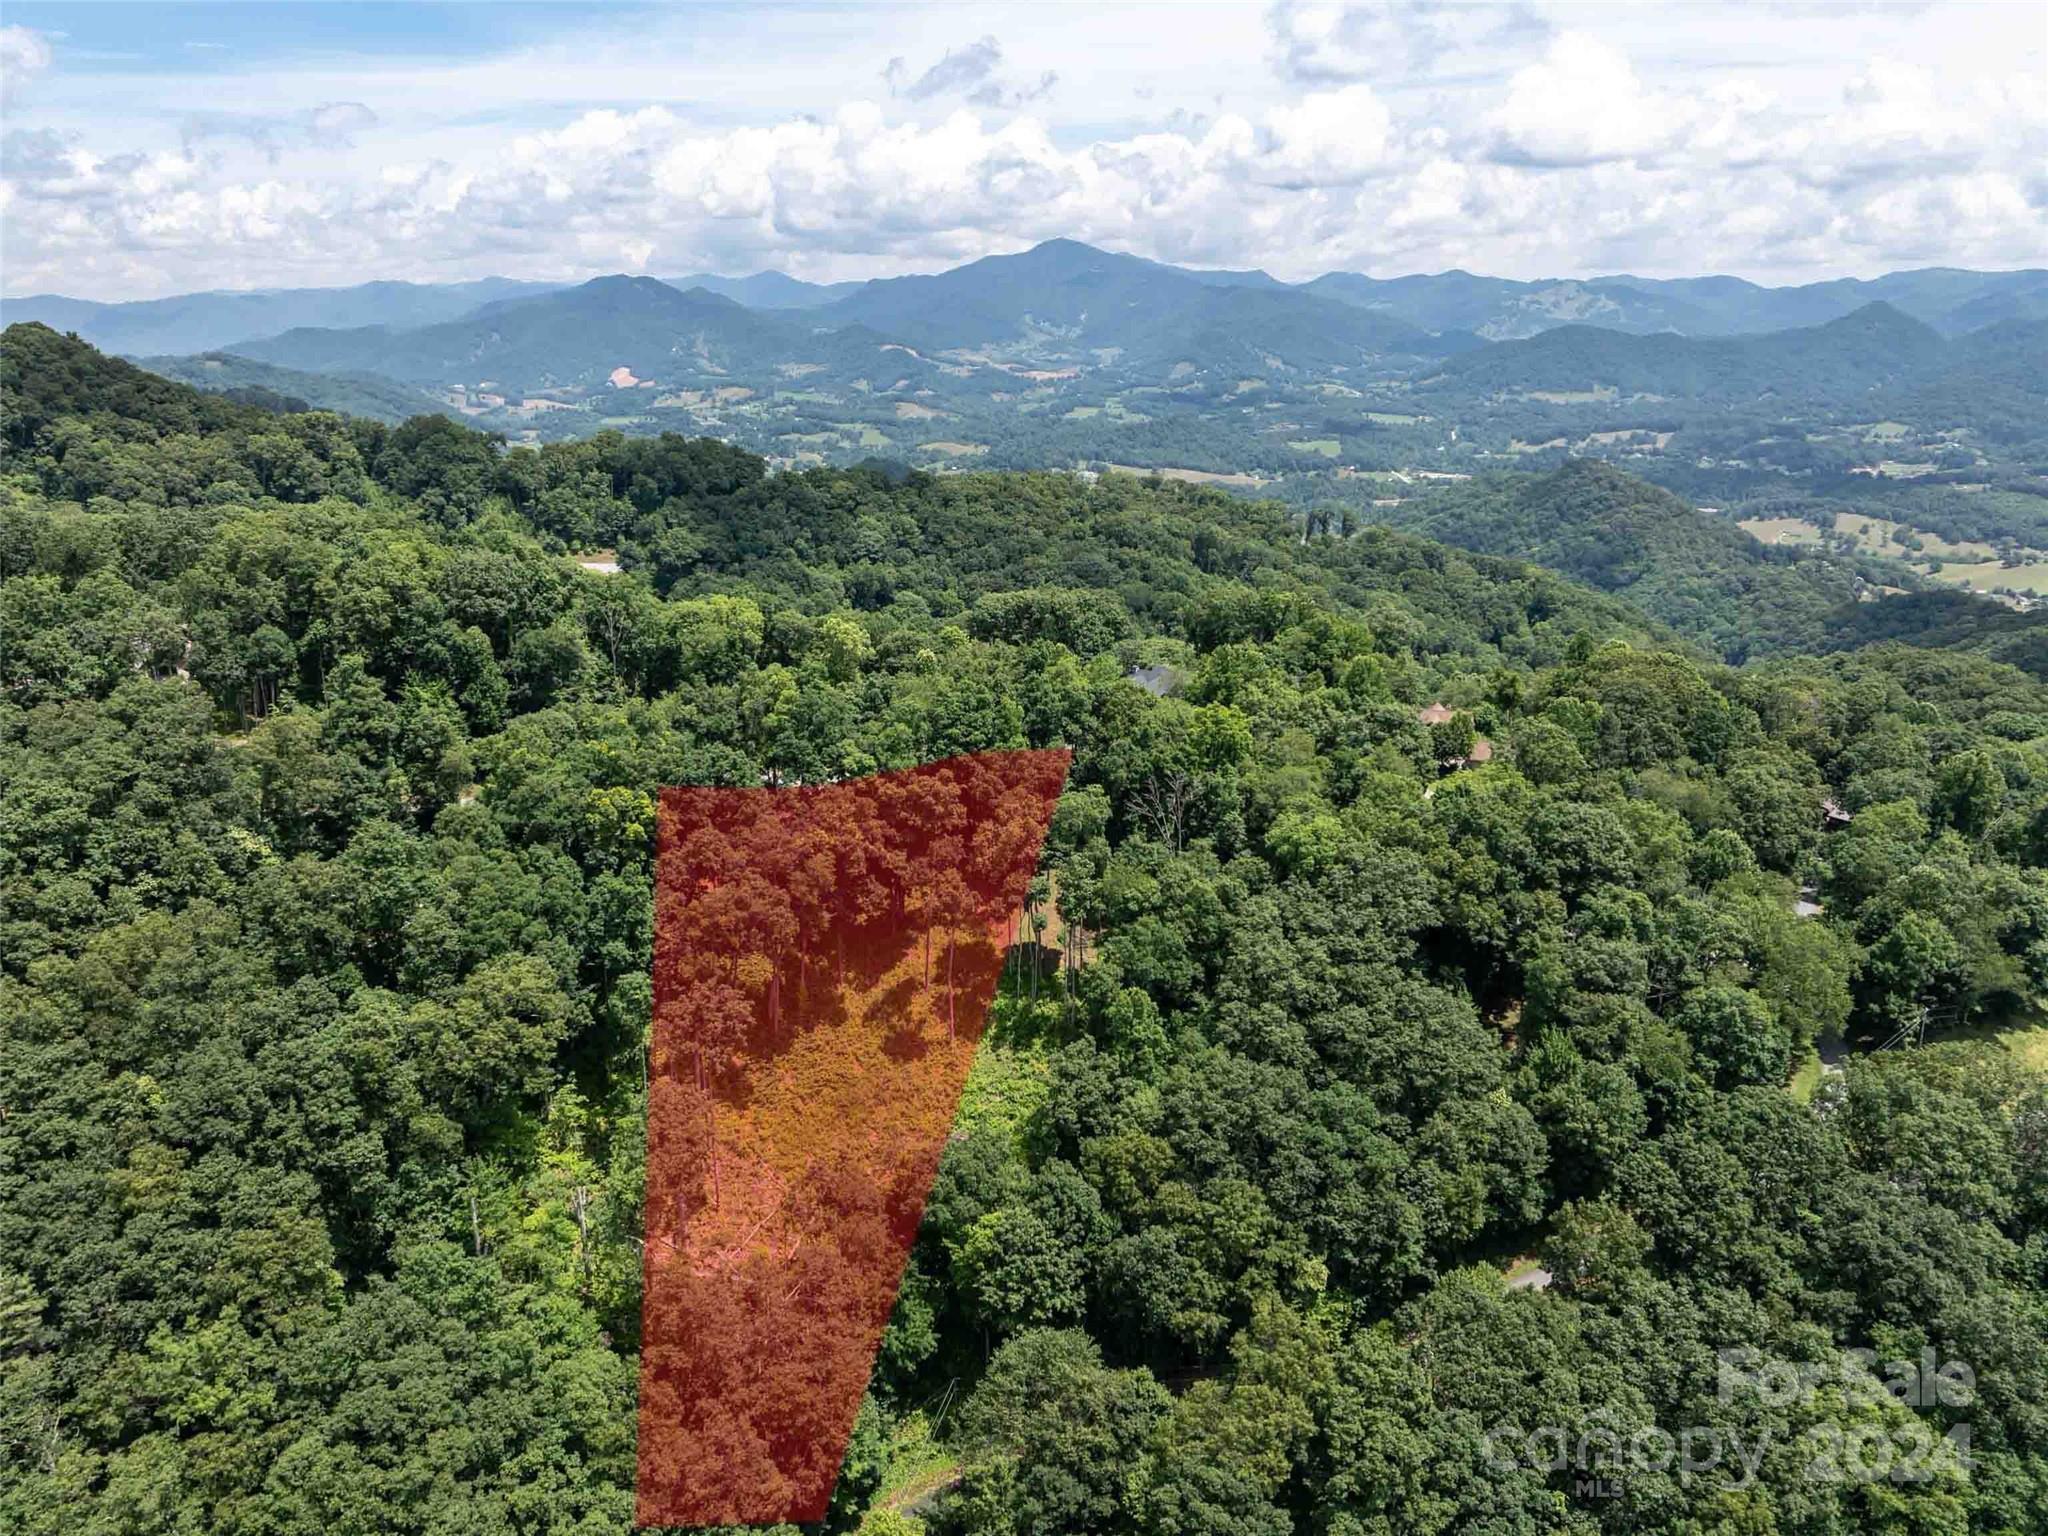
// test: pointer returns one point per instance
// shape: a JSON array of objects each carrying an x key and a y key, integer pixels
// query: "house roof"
[{"x": 1157, "y": 681}]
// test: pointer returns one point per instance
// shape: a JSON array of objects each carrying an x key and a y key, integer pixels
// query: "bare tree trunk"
[{"x": 579, "y": 1205}]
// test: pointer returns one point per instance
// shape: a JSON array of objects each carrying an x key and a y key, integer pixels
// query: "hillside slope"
[
  {"x": 575, "y": 337},
  {"x": 1693, "y": 570},
  {"x": 1065, "y": 296},
  {"x": 353, "y": 394},
  {"x": 1872, "y": 348},
  {"x": 331, "y": 819}
]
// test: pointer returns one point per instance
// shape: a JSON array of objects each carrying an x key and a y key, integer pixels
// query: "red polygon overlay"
[{"x": 823, "y": 960}]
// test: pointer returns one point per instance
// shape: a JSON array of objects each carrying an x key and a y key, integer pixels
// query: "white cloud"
[
  {"x": 331, "y": 125},
  {"x": 973, "y": 72},
  {"x": 23, "y": 56},
  {"x": 1332, "y": 138},
  {"x": 337, "y": 122},
  {"x": 1580, "y": 105},
  {"x": 1560, "y": 152},
  {"x": 1318, "y": 43}
]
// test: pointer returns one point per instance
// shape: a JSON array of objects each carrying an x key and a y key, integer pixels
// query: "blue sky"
[
  {"x": 141, "y": 38},
  {"x": 147, "y": 149}
]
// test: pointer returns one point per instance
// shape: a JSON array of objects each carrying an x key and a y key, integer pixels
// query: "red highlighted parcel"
[{"x": 824, "y": 958}]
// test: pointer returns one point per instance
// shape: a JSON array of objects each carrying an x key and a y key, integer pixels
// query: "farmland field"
[{"x": 1968, "y": 563}]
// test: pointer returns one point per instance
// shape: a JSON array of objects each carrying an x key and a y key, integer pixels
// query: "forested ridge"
[
  {"x": 326, "y": 804},
  {"x": 1693, "y": 569}
]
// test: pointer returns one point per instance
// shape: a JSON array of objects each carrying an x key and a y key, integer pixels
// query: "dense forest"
[{"x": 1429, "y": 1142}]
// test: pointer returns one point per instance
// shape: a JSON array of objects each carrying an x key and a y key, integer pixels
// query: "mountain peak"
[
  {"x": 1061, "y": 245},
  {"x": 1883, "y": 322},
  {"x": 1070, "y": 255},
  {"x": 622, "y": 282},
  {"x": 1876, "y": 312}
]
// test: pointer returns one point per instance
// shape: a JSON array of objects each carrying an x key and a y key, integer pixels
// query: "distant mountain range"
[
  {"x": 1067, "y": 296},
  {"x": 765, "y": 290},
  {"x": 1069, "y": 355},
  {"x": 572, "y": 337},
  {"x": 984, "y": 329},
  {"x": 1949, "y": 300},
  {"x": 1868, "y": 348},
  {"x": 1500, "y": 309},
  {"x": 206, "y": 322}
]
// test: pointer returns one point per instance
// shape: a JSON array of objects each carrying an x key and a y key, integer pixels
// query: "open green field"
[
  {"x": 1593, "y": 396},
  {"x": 1992, "y": 575},
  {"x": 1780, "y": 530},
  {"x": 1882, "y": 536},
  {"x": 2031, "y": 1047},
  {"x": 1191, "y": 476},
  {"x": 1968, "y": 563}
]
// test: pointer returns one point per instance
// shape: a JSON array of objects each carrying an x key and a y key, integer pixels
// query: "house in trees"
[
  {"x": 1158, "y": 681},
  {"x": 1456, "y": 744}
]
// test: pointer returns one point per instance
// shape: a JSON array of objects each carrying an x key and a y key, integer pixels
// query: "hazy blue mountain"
[
  {"x": 576, "y": 336},
  {"x": 1499, "y": 308},
  {"x": 204, "y": 322},
  {"x": 1063, "y": 295},
  {"x": 766, "y": 290},
  {"x": 1872, "y": 348},
  {"x": 1950, "y": 300},
  {"x": 1947, "y": 298},
  {"x": 1992, "y": 382},
  {"x": 1063, "y": 290},
  {"x": 579, "y": 337},
  {"x": 1225, "y": 277},
  {"x": 778, "y": 290},
  {"x": 1062, "y": 303},
  {"x": 2023, "y": 296},
  {"x": 354, "y": 394}
]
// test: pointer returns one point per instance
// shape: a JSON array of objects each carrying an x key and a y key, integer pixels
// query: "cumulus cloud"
[
  {"x": 1328, "y": 139},
  {"x": 1577, "y": 160},
  {"x": 1582, "y": 104}
]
